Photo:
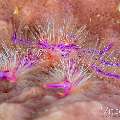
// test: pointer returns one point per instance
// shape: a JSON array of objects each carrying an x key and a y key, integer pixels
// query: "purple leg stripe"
[
  {"x": 106, "y": 49},
  {"x": 109, "y": 74},
  {"x": 107, "y": 62}
]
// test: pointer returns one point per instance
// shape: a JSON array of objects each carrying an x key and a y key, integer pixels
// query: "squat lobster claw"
[{"x": 65, "y": 85}]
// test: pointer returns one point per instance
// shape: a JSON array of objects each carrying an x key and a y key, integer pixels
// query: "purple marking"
[
  {"x": 3, "y": 74},
  {"x": 106, "y": 49},
  {"x": 28, "y": 61},
  {"x": 14, "y": 38},
  {"x": 69, "y": 46},
  {"x": 65, "y": 49},
  {"x": 25, "y": 61},
  {"x": 109, "y": 74},
  {"x": 21, "y": 41},
  {"x": 61, "y": 46},
  {"x": 107, "y": 62},
  {"x": 43, "y": 44},
  {"x": 90, "y": 51},
  {"x": 46, "y": 45}
]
